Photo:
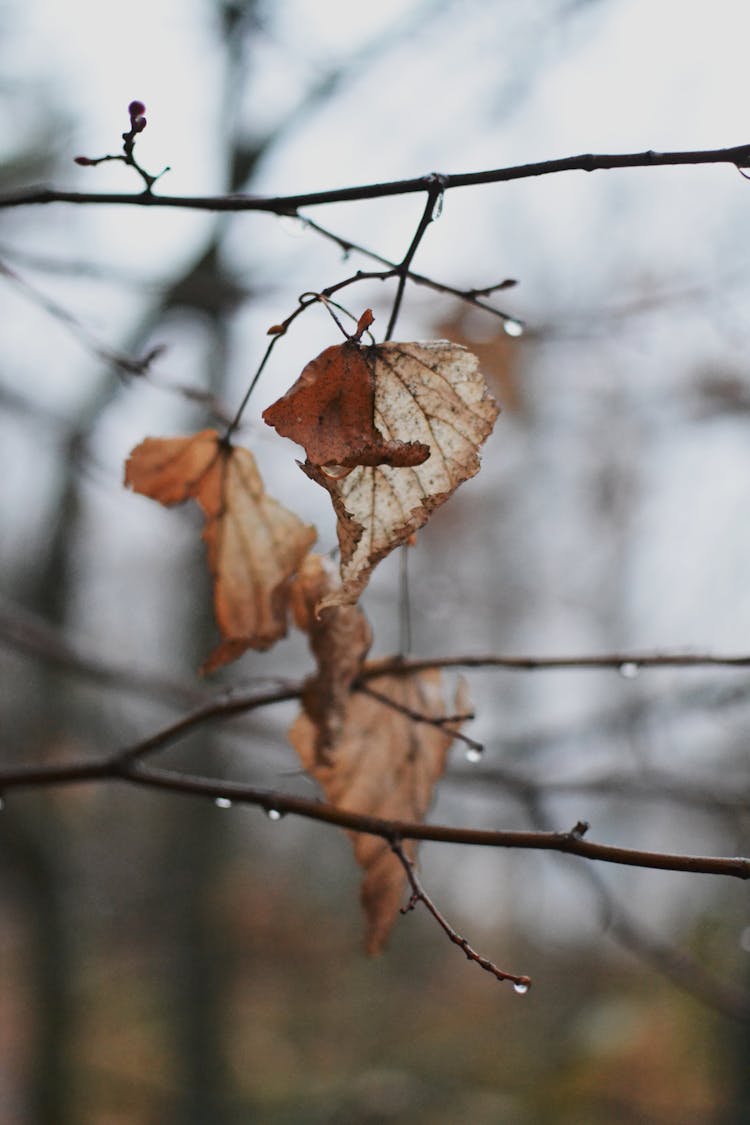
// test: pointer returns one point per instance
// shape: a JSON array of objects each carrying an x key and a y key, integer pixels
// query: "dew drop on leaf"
[{"x": 336, "y": 472}]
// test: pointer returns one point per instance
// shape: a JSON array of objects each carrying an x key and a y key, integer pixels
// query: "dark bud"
[
  {"x": 84, "y": 161},
  {"x": 139, "y": 124},
  {"x": 136, "y": 109}
]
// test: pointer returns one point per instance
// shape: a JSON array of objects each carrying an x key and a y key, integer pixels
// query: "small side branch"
[
  {"x": 138, "y": 123},
  {"x": 443, "y": 722},
  {"x": 521, "y": 984},
  {"x": 470, "y": 296}
]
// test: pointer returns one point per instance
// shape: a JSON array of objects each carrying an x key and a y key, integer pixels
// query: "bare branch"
[
  {"x": 126, "y": 765},
  {"x": 629, "y": 664},
  {"x": 649, "y": 786},
  {"x": 739, "y": 156}
]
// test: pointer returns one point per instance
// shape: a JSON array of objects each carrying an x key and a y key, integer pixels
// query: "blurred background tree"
[{"x": 166, "y": 960}]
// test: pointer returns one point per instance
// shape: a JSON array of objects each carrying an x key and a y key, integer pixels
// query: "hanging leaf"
[
  {"x": 254, "y": 544},
  {"x": 340, "y": 638},
  {"x": 384, "y": 763},
  {"x": 330, "y": 410},
  {"x": 390, "y": 431}
]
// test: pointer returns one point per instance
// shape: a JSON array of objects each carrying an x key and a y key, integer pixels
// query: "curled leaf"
[
  {"x": 254, "y": 544},
  {"x": 434, "y": 395},
  {"x": 340, "y": 638},
  {"x": 330, "y": 410},
  {"x": 390, "y": 752}
]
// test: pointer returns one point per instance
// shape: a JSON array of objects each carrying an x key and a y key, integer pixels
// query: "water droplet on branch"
[
  {"x": 513, "y": 327},
  {"x": 629, "y": 669},
  {"x": 521, "y": 987},
  {"x": 274, "y": 814},
  {"x": 474, "y": 754},
  {"x": 292, "y": 225},
  {"x": 223, "y": 803}
]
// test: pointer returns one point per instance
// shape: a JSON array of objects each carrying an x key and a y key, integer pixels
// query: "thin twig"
[
  {"x": 521, "y": 984},
  {"x": 443, "y": 722},
  {"x": 136, "y": 110},
  {"x": 738, "y": 155},
  {"x": 434, "y": 197},
  {"x": 28, "y": 633},
  {"x": 470, "y": 296},
  {"x": 650, "y": 786},
  {"x": 404, "y": 603},
  {"x": 677, "y": 965},
  {"x": 128, "y": 364}
]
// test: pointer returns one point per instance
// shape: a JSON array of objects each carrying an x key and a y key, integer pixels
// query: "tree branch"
[
  {"x": 125, "y": 765},
  {"x": 739, "y": 156},
  {"x": 629, "y": 664}
]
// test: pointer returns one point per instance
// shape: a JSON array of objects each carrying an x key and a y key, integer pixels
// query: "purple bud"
[
  {"x": 84, "y": 161},
  {"x": 139, "y": 124},
  {"x": 136, "y": 109}
]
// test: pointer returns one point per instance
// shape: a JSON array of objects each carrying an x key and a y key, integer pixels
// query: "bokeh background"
[{"x": 164, "y": 960}]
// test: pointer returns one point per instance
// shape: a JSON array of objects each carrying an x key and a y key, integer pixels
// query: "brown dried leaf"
[
  {"x": 330, "y": 410},
  {"x": 340, "y": 638},
  {"x": 433, "y": 392},
  {"x": 384, "y": 764},
  {"x": 254, "y": 544}
]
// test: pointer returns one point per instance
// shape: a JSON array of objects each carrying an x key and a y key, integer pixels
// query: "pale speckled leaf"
[{"x": 429, "y": 394}]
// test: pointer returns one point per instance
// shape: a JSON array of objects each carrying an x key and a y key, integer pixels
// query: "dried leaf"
[
  {"x": 384, "y": 764},
  {"x": 330, "y": 410},
  {"x": 434, "y": 392},
  {"x": 340, "y": 638},
  {"x": 254, "y": 544}
]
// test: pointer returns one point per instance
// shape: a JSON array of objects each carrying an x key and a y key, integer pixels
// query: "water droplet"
[
  {"x": 292, "y": 225},
  {"x": 437, "y": 207},
  {"x": 745, "y": 939},
  {"x": 335, "y": 472},
  {"x": 474, "y": 754},
  {"x": 522, "y": 987},
  {"x": 223, "y": 803},
  {"x": 274, "y": 814},
  {"x": 629, "y": 670},
  {"x": 513, "y": 327}
]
